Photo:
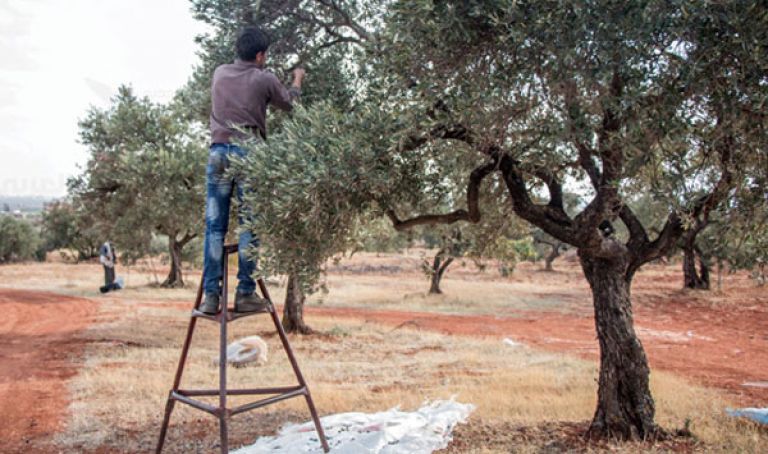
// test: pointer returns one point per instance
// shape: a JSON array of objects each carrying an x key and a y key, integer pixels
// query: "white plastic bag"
[{"x": 251, "y": 349}]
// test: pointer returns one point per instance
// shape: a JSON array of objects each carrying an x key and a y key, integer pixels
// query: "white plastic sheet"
[{"x": 389, "y": 432}]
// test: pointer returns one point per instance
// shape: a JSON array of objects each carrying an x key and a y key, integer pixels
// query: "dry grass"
[
  {"x": 354, "y": 366},
  {"x": 119, "y": 397},
  {"x": 396, "y": 283}
]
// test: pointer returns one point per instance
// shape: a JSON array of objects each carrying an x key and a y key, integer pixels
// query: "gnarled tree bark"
[{"x": 625, "y": 408}]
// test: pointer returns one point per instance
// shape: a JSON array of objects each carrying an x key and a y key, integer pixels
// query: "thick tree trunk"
[
  {"x": 293, "y": 310},
  {"x": 175, "y": 278},
  {"x": 695, "y": 278},
  {"x": 438, "y": 270},
  {"x": 625, "y": 408}
]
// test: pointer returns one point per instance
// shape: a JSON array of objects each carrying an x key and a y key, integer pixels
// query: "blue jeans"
[{"x": 219, "y": 194}]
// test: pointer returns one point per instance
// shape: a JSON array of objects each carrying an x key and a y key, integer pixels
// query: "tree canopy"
[
  {"x": 144, "y": 176},
  {"x": 465, "y": 97}
]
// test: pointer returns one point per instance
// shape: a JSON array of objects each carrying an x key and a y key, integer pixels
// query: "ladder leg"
[
  {"x": 295, "y": 366},
  {"x": 179, "y": 371},
  {"x": 164, "y": 428},
  {"x": 188, "y": 339},
  {"x": 223, "y": 363},
  {"x": 223, "y": 434},
  {"x": 316, "y": 420}
]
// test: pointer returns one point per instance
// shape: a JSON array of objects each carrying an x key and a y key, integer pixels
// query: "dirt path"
[
  {"x": 39, "y": 350},
  {"x": 719, "y": 347}
]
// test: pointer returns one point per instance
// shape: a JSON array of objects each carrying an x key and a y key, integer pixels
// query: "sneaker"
[
  {"x": 210, "y": 305},
  {"x": 250, "y": 302}
]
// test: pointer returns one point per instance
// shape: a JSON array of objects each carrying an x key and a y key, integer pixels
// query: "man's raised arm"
[{"x": 282, "y": 97}]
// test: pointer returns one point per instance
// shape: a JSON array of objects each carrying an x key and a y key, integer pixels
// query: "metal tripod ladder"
[{"x": 187, "y": 396}]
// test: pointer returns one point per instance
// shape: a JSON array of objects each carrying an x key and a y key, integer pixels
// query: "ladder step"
[
  {"x": 231, "y": 314},
  {"x": 268, "y": 401},
  {"x": 194, "y": 403},
  {"x": 239, "y": 392},
  {"x": 283, "y": 394}
]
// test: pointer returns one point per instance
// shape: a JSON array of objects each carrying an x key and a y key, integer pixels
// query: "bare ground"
[
  {"x": 40, "y": 349},
  {"x": 716, "y": 339}
]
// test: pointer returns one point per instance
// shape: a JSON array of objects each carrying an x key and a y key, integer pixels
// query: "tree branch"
[
  {"x": 673, "y": 229},
  {"x": 554, "y": 186},
  {"x": 186, "y": 238},
  {"x": 456, "y": 132},
  {"x": 346, "y": 18},
  {"x": 586, "y": 162},
  {"x": 572, "y": 109},
  {"x": 445, "y": 266},
  {"x": 638, "y": 237},
  {"x": 471, "y": 214},
  {"x": 607, "y": 202},
  {"x": 553, "y": 221}
]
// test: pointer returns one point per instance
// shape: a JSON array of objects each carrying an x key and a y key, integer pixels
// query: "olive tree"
[
  {"x": 536, "y": 95},
  {"x": 735, "y": 235},
  {"x": 605, "y": 92},
  {"x": 319, "y": 35},
  {"x": 66, "y": 225},
  {"x": 144, "y": 176}
]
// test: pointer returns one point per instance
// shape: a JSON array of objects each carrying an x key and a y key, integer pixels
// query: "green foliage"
[
  {"x": 316, "y": 182},
  {"x": 511, "y": 252},
  {"x": 309, "y": 191},
  {"x": 622, "y": 100},
  {"x": 316, "y": 35},
  {"x": 145, "y": 174},
  {"x": 738, "y": 231},
  {"x": 377, "y": 235},
  {"x": 66, "y": 227},
  {"x": 19, "y": 240}
]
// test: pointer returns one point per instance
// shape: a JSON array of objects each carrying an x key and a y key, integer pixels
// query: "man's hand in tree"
[{"x": 298, "y": 77}]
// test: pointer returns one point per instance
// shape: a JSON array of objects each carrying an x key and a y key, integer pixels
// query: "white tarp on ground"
[
  {"x": 389, "y": 432},
  {"x": 757, "y": 414}
]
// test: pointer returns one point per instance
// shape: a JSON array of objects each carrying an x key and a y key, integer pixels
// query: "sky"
[{"x": 58, "y": 58}]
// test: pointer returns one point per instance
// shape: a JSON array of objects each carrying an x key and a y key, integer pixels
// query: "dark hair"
[{"x": 251, "y": 41}]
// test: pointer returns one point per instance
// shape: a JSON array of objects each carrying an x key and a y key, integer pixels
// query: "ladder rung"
[
  {"x": 268, "y": 401},
  {"x": 194, "y": 403},
  {"x": 231, "y": 314},
  {"x": 239, "y": 392}
]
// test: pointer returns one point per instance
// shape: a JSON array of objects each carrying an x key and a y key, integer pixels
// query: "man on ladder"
[{"x": 240, "y": 93}]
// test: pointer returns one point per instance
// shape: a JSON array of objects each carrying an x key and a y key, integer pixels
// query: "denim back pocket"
[{"x": 217, "y": 165}]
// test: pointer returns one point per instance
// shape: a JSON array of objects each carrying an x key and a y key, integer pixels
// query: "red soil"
[
  {"x": 718, "y": 339},
  {"x": 39, "y": 350}
]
